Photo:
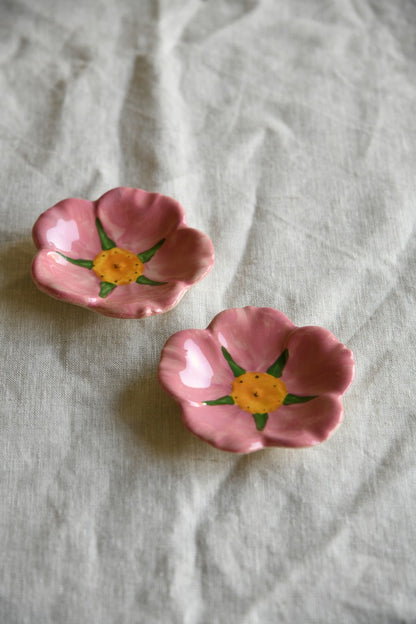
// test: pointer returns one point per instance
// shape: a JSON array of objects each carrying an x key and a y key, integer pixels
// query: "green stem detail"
[
  {"x": 87, "y": 264},
  {"x": 106, "y": 243},
  {"x": 225, "y": 400},
  {"x": 291, "y": 399},
  {"x": 237, "y": 370},
  {"x": 145, "y": 256},
  {"x": 106, "y": 288},
  {"x": 145, "y": 280},
  {"x": 260, "y": 420},
  {"x": 276, "y": 369}
]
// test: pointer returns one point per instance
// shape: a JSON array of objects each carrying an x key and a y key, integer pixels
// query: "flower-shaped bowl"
[
  {"x": 129, "y": 254},
  {"x": 253, "y": 379}
]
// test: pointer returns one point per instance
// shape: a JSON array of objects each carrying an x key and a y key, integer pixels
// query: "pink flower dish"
[
  {"x": 253, "y": 379},
  {"x": 129, "y": 254}
]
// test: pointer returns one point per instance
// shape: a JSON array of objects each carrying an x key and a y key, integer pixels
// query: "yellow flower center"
[
  {"x": 117, "y": 266},
  {"x": 258, "y": 393}
]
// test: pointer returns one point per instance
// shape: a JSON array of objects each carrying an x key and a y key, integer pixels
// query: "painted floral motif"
[
  {"x": 115, "y": 266},
  {"x": 238, "y": 396},
  {"x": 259, "y": 393},
  {"x": 129, "y": 254}
]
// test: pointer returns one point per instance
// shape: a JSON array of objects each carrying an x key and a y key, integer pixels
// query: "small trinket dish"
[
  {"x": 253, "y": 379},
  {"x": 129, "y": 254}
]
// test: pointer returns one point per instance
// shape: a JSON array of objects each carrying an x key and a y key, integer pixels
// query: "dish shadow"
[
  {"x": 155, "y": 418},
  {"x": 22, "y": 300}
]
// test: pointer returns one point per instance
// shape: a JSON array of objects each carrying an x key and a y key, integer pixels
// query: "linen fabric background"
[{"x": 287, "y": 131}]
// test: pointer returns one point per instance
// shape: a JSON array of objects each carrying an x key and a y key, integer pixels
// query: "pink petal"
[
  {"x": 318, "y": 363},
  {"x": 186, "y": 255},
  {"x": 255, "y": 337},
  {"x": 139, "y": 300},
  {"x": 69, "y": 227},
  {"x": 137, "y": 220},
  {"x": 63, "y": 280},
  {"x": 192, "y": 367},
  {"x": 304, "y": 424},
  {"x": 226, "y": 427}
]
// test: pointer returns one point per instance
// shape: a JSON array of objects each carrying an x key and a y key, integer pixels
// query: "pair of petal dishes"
[{"x": 252, "y": 379}]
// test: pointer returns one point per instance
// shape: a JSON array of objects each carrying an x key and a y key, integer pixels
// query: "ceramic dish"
[
  {"x": 253, "y": 379},
  {"x": 129, "y": 254}
]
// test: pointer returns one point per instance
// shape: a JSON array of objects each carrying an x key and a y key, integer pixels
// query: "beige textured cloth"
[{"x": 287, "y": 131}]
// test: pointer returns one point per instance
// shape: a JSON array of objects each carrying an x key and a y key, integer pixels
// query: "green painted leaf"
[
  {"x": 145, "y": 256},
  {"x": 106, "y": 288},
  {"x": 237, "y": 370},
  {"x": 261, "y": 420},
  {"x": 290, "y": 399},
  {"x": 145, "y": 280},
  {"x": 87, "y": 264},
  {"x": 225, "y": 400},
  {"x": 276, "y": 369},
  {"x": 106, "y": 243}
]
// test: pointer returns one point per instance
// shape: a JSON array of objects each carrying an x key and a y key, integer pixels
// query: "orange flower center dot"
[
  {"x": 117, "y": 266},
  {"x": 258, "y": 393}
]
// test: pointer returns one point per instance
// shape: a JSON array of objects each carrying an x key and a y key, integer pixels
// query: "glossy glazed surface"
[
  {"x": 160, "y": 257},
  {"x": 293, "y": 380}
]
